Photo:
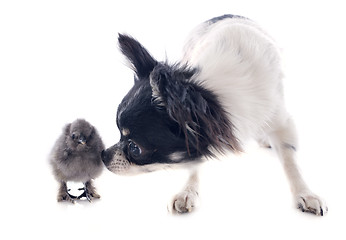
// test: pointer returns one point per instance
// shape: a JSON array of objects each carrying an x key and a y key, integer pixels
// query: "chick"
[{"x": 76, "y": 156}]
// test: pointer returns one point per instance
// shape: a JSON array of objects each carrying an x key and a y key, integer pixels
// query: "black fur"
[
  {"x": 166, "y": 112},
  {"x": 196, "y": 109},
  {"x": 149, "y": 128},
  {"x": 142, "y": 62}
]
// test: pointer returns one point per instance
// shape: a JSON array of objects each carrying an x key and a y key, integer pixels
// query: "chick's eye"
[
  {"x": 134, "y": 149},
  {"x": 73, "y": 136}
]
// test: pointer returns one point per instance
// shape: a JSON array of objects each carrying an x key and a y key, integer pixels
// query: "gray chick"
[{"x": 76, "y": 157}]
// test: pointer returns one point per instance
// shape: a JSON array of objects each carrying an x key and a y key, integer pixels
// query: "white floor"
[{"x": 60, "y": 61}]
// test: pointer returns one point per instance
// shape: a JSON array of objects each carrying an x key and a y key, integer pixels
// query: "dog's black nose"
[{"x": 103, "y": 155}]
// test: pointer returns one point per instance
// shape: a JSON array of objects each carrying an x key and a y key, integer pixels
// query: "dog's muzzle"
[{"x": 115, "y": 159}]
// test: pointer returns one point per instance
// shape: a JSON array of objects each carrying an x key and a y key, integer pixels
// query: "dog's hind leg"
[
  {"x": 185, "y": 201},
  {"x": 284, "y": 141}
]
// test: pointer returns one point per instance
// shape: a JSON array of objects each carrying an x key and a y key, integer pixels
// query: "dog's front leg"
[{"x": 185, "y": 201}]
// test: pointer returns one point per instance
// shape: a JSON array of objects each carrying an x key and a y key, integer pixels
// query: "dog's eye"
[
  {"x": 134, "y": 149},
  {"x": 73, "y": 136}
]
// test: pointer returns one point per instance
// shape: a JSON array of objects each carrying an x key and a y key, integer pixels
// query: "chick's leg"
[
  {"x": 89, "y": 191},
  {"x": 63, "y": 194}
]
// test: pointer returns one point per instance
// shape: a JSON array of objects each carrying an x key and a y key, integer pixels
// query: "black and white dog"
[{"x": 226, "y": 89}]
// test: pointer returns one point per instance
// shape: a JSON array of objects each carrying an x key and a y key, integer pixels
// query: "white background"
[{"x": 59, "y": 60}]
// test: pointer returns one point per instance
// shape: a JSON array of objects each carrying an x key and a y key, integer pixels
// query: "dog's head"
[{"x": 166, "y": 118}]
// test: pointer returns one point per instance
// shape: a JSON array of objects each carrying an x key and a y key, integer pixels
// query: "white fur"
[
  {"x": 239, "y": 62},
  {"x": 186, "y": 200}
]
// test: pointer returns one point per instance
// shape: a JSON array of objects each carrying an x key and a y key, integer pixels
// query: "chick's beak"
[{"x": 82, "y": 140}]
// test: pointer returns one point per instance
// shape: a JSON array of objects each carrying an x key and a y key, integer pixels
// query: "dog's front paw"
[
  {"x": 311, "y": 203},
  {"x": 184, "y": 202}
]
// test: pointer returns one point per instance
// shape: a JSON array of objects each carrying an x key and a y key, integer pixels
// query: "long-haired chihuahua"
[{"x": 226, "y": 89}]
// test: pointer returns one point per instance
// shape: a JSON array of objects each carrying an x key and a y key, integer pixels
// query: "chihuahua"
[{"x": 226, "y": 89}]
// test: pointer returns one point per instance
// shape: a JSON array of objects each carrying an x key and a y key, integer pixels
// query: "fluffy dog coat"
[{"x": 226, "y": 89}]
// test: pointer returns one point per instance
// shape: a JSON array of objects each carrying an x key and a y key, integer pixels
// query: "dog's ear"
[
  {"x": 141, "y": 60},
  {"x": 169, "y": 84},
  {"x": 197, "y": 111}
]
